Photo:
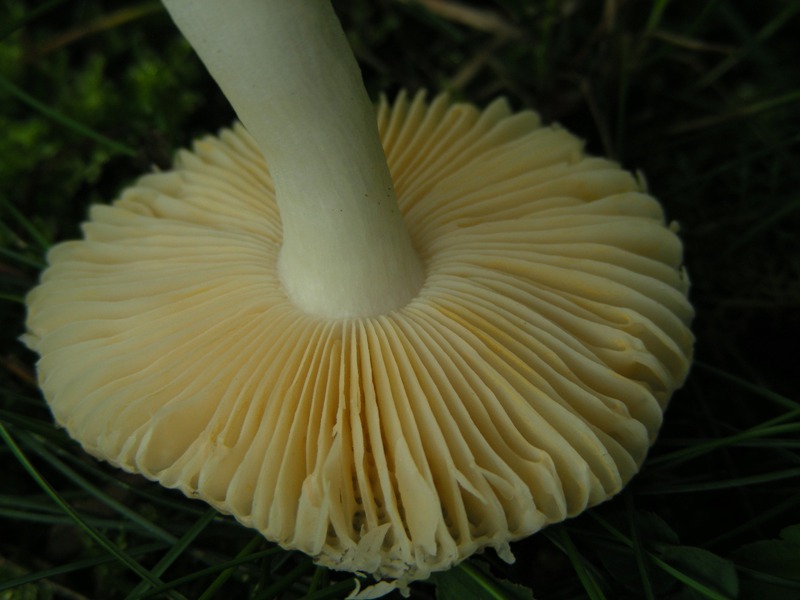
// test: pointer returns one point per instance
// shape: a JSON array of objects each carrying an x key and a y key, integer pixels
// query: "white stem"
[{"x": 289, "y": 73}]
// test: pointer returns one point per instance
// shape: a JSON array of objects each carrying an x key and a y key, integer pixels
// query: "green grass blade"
[
  {"x": 731, "y": 166},
  {"x": 750, "y": 45},
  {"x": 64, "y": 120},
  {"x": 789, "y": 584},
  {"x": 338, "y": 590},
  {"x": 622, "y": 102},
  {"x": 318, "y": 580},
  {"x": 175, "y": 551},
  {"x": 29, "y": 16},
  {"x": 676, "y": 573},
  {"x": 145, "y": 524},
  {"x": 764, "y": 226},
  {"x": 13, "y": 298},
  {"x": 281, "y": 584},
  {"x": 149, "y": 493},
  {"x": 481, "y": 581},
  {"x": 563, "y": 541},
  {"x": 33, "y": 425},
  {"x": 737, "y": 113},
  {"x": 22, "y": 259},
  {"x": 214, "y": 570},
  {"x": 78, "y": 565},
  {"x": 724, "y": 484},
  {"x": 62, "y": 519},
  {"x": 704, "y": 447},
  {"x": 654, "y": 18},
  {"x": 690, "y": 582},
  {"x": 226, "y": 574},
  {"x": 773, "y": 397},
  {"x": 790, "y": 504},
  {"x": 26, "y": 223},
  {"x": 639, "y": 552},
  {"x": 95, "y": 535}
]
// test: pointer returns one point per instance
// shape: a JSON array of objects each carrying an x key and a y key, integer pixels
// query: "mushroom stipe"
[{"x": 524, "y": 382}]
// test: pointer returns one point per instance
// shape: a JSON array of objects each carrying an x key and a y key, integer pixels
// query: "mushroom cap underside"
[{"x": 525, "y": 382}]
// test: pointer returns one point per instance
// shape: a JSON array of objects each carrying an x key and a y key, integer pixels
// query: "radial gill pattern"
[{"x": 524, "y": 383}]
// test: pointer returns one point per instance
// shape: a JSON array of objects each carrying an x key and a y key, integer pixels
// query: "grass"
[{"x": 704, "y": 98}]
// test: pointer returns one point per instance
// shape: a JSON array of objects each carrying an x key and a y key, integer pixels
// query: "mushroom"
[{"x": 388, "y": 343}]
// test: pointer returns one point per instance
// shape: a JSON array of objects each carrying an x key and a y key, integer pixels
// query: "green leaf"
[
  {"x": 771, "y": 568},
  {"x": 473, "y": 581},
  {"x": 621, "y": 565},
  {"x": 654, "y": 529},
  {"x": 630, "y": 563},
  {"x": 778, "y": 557},
  {"x": 707, "y": 575},
  {"x": 583, "y": 569}
]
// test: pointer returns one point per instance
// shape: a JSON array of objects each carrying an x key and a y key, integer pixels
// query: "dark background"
[{"x": 702, "y": 97}]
